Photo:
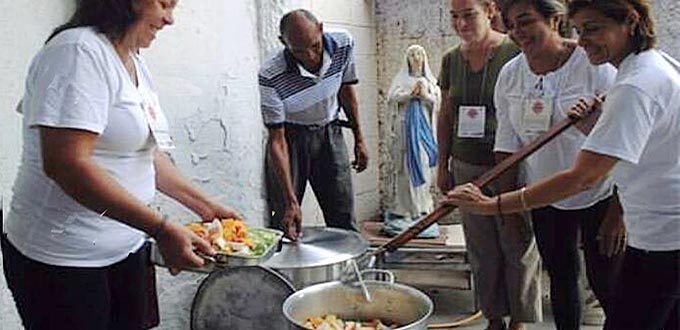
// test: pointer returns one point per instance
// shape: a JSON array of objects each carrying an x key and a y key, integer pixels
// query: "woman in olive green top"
[{"x": 502, "y": 252}]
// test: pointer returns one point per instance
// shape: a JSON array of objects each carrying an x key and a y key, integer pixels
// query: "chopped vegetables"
[
  {"x": 231, "y": 236},
  {"x": 332, "y": 322}
]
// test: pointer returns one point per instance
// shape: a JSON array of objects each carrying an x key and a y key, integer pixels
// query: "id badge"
[
  {"x": 158, "y": 123},
  {"x": 537, "y": 115},
  {"x": 471, "y": 121}
]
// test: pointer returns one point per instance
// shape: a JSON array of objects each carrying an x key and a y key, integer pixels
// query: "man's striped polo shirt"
[{"x": 289, "y": 94}]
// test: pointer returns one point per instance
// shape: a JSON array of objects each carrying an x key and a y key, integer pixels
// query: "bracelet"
[
  {"x": 522, "y": 198},
  {"x": 159, "y": 228}
]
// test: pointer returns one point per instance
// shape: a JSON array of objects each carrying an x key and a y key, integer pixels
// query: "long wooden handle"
[{"x": 480, "y": 182}]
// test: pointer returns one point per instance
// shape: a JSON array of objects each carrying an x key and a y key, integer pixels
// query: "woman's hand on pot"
[{"x": 181, "y": 248}]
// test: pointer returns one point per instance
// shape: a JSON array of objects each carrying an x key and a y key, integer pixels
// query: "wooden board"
[{"x": 371, "y": 230}]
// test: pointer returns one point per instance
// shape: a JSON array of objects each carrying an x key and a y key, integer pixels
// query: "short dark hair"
[
  {"x": 643, "y": 38},
  {"x": 284, "y": 25},
  {"x": 547, "y": 9},
  {"x": 110, "y": 17}
]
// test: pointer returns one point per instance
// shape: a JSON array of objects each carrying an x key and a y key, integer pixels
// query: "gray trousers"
[
  {"x": 504, "y": 258},
  {"x": 317, "y": 155}
]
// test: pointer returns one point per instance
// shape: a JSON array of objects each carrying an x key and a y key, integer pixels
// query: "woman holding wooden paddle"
[{"x": 534, "y": 91}]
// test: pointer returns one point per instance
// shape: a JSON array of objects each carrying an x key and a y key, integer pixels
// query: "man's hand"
[
  {"x": 292, "y": 221},
  {"x": 360, "y": 161}
]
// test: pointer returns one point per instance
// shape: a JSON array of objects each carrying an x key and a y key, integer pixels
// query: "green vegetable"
[{"x": 262, "y": 241}]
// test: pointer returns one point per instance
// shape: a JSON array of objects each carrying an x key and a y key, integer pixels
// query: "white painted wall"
[
  {"x": 205, "y": 68},
  {"x": 27, "y": 24}
]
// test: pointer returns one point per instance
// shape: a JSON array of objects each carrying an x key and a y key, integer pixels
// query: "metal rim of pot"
[
  {"x": 322, "y": 255},
  {"x": 424, "y": 311}
]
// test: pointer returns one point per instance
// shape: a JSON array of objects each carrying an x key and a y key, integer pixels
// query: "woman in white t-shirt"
[
  {"x": 534, "y": 91},
  {"x": 635, "y": 141},
  {"x": 93, "y": 131}
]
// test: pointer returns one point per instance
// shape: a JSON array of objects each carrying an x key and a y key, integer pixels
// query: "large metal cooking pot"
[
  {"x": 240, "y": 298},
  {"x": 321, "y": 255},
  {"x": 390, "y": 302}
]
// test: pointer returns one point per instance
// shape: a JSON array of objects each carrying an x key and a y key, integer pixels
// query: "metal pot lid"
[
  {"x": 241, "y": 298},
  {"x": 319, "y": 246}
]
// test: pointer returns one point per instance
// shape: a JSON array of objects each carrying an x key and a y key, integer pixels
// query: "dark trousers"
[
  {"x": 647, "y": 295},
  {"x": 118, "y": 297},
  {"x": 317, "y": 155},
  {"x": 557, "y": 235}
]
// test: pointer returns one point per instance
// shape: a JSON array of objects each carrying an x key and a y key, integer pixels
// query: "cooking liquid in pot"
[{"x": 332, "y": 322}]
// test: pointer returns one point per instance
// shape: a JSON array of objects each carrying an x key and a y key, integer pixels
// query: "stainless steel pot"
[
  {"x": 321, "y": 255},
  {"x": 391, "y": 303}
]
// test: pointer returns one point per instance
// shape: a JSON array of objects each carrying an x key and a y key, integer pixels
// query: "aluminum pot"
[
  {"x": 321, "y": 255},
  {"x": 392, "y": 303}
]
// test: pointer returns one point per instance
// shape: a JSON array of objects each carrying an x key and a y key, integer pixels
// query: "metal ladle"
[{"x": 360, "y": 278}]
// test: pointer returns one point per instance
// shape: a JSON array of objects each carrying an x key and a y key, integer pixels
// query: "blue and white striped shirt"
[{"x": 289, "y": 95}]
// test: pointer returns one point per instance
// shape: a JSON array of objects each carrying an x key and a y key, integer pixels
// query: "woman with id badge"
[
  {"x": 74, "y": 251},
  {"x": 502, "y": 252},
  {"x": 534, "y": 91}
]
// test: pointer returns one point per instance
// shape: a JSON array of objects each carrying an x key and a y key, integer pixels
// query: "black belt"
[{"x": 315, "y": 127}]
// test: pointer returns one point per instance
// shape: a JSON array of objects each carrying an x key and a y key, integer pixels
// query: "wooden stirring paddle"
[{"x": 485, "y": 179}]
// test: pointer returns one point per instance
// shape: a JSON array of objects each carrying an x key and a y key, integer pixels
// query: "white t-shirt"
[
  {"x": 575, "y": 79},
  {"x": 78, "y": 81},
  {"x": 640, "y": 126}
]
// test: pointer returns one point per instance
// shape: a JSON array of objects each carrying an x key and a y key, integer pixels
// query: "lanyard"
[{"x": 466, "y": 95}]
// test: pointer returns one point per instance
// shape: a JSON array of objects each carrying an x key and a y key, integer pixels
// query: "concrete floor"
[{"x": 453, "y": 304}]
